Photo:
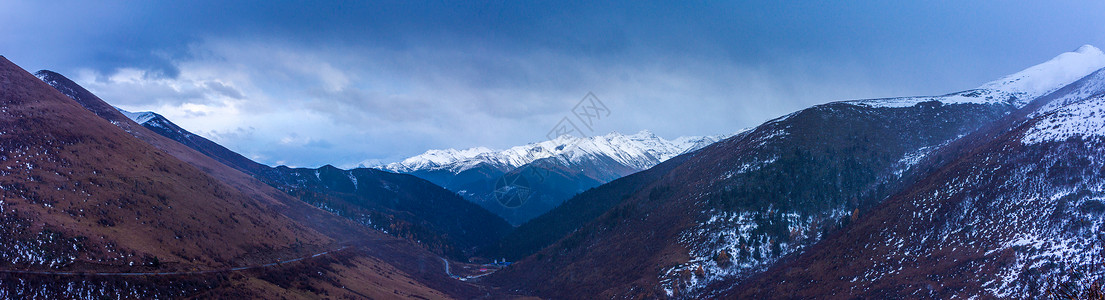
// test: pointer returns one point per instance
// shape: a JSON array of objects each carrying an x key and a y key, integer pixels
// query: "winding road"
[{"x": 458, "y": 277}]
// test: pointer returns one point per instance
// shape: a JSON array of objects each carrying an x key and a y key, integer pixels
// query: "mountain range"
[
  {"x": 523, "y": 182},
  {"x": 1007, "y": 212},
  {"x": 401, "y": 205},
  {"x": 739, "y": 217},
  {"x": 992, "y": 192},
  {"x": 95, "y": 206}
]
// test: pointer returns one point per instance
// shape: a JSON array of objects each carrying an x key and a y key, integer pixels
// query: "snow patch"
[
  {"x": 978, "y": 96},
  {"x": 1082, "y": 119},
  {"x": 1017, "y": 89}
]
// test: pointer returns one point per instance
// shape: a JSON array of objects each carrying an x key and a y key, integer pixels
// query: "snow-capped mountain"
[
  {"x": 640, "y": 151},
  {"x": 139, "y": 117},
  {"x": 1019, "y": 88},
  {"x": 1008, "y": 213},
  {"x": 738, "y": 207},
  {"x": 434, "y": 159},
  {"x": 397, "y": 204},
  {"x": 1045, "y": 78},
  {"x": 550, "y": 171}
]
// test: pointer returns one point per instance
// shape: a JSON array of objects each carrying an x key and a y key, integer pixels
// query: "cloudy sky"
[{"x": 350, "y": 82}]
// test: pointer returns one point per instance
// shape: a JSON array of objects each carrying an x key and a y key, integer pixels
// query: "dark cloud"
[{"x": 393, "y": 78}]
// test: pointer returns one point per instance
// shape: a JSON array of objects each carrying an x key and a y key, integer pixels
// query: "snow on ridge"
[
  {"x": 641, "y": 150},
  {"x": 434, "y": 157},
  {"x": 1051, "y": 75},
  {"x": 138, "y": 117},
  {"x": 644, "y": 149},
  {"x": 977, "y": 96},
  {"x": 1016, "y": 89}
]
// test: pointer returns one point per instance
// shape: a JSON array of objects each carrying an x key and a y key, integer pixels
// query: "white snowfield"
[
  {"x": 641, "y": 151},
  {"x": 1017, "y": 89}
]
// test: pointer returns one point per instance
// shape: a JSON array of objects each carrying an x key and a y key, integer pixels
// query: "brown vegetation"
[{"x": 81, "y": 195}]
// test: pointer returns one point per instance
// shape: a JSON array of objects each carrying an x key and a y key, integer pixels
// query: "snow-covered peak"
[
  {"x": 138, "y": 117},
  {"x": 435, "y": 158},
  {"x": 641, "y": 150},
  {"x": 1017, "y": 89},
  {"x": 692, "y": 143},
  {"x": 1051, "y": 75}
]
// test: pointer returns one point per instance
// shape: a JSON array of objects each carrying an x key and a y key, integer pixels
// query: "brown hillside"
[
  {"x": 83, "y": 200},
  {"x": 119, "y": 199}
]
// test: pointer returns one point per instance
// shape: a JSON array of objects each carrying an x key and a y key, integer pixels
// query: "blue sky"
[{"x": 307, "y": 84}]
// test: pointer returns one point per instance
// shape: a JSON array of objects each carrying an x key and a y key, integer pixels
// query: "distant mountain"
[
  {"x": 731, "y": 210},
  {"x": 641, "y": 150},
  {"x": 92, "y": 209},
  {"x": 542, "y": 231},
  {"x": 1007, "y": 212},
  {"x": 548, "y": 172},
  {"x": 400, "y": 205},
  {"x": 397, "y": 204}
]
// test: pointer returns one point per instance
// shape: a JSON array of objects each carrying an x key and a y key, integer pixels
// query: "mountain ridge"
[
  {"x": 82, "y": 196},
  {"x": 458, "y": 226},
  {"x": 523, "y": 182},
  {"x": 737, "y": 207},
  {"x": 1013, "y": 212},
  {"x": 640, "y": 150}
]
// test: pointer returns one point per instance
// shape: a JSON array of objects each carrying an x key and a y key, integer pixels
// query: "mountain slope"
[
  {"x": 435, "y": 218},
  {"x": 240, "y": 181},
  {"x": 1010, "y": 211},
  {"x": 739, "y": 206},
  {"x": 759, "y": 196},
  {"x": 162, "y": 126},
  {"x": 398, "y": 204},
  {"x": 550, "y": 171},
  {"x": 76, "y": 173},
  {"x": 546, "y": 229},
  {"x": 79, "y": 195}
]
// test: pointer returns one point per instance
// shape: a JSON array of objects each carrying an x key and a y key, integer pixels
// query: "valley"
[{"x": 722, "y": 151}]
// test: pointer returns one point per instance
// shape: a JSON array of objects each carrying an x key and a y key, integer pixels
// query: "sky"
[{"x": 346, "y": 83}]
